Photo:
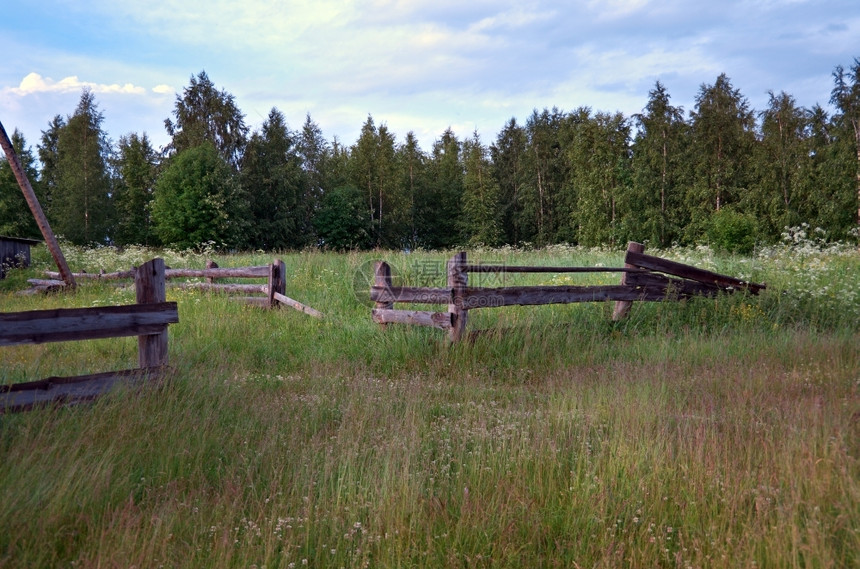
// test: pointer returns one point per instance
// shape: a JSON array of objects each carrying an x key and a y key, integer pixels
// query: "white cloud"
[{"x": 34, "y": 83}]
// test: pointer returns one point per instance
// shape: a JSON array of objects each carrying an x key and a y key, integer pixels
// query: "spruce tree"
[
  {"x": 846, "y": 97},
  {"x": 508, "y": 160},
  {"x": 720, "y": 150},
  {"x": 137, "y": 168},
  {"x": 656, "y": 214},
  {"x": 481, "y": 214},
  {"x": 780, "y": 159},
  {"x": 274, "y": 183},
  {"x": 81, "y": 205}
]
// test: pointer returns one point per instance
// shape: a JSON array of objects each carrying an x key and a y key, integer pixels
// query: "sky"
[{"x": 413, "y": 65}]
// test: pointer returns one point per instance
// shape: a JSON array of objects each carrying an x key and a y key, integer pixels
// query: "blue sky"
[{"x": 420, "y": 65}]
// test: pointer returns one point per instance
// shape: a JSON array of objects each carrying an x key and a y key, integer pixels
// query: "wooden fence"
[
  {"x": 644, "y": 278},
  {"x": 148, "y": 320},
  {"x": 270, "y": 294}
]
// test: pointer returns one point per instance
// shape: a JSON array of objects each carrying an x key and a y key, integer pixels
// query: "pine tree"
[
  {"x": 546, "y": 173},
  {"x": 373, "y": 169},
  {"x": 317, "y": 158},
  {"x": 412, "y": 165},
  {"x": 829, "y": 197},
  {"x": 440, "y": 207},
  {"x": 600, "y": 170},
  {"x": 49, "y": 156}
]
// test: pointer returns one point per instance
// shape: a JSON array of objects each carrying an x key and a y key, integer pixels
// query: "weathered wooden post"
[
  {"x": 457, "y": 281},
  {"x": 277, "y": 281},
  {"x": 382, "y": 278},
  {"x": 36, "y": 209},
  {"x": 150, "y": 287},
  {"x": 622, "y": 307},
  {"x": 210, "y": 264}
]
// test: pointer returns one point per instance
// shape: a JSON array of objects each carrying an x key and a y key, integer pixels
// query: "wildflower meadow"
[{"x": 708, "y": 433}]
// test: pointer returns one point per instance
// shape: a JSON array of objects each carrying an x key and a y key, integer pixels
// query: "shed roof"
[{"x": 20, "y": 240}]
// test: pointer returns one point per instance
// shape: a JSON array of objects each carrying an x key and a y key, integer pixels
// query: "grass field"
[{"x": 709, "y": 433}]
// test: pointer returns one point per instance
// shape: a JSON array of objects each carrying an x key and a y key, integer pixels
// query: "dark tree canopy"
[
  {"x": 137, "y": 170},
  {"x": 726, "y": 175},
  {"x": 204, "y": 114}
]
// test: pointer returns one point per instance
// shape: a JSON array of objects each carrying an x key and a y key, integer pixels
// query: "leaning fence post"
[
  {"x": 457, "y": 281},
  {"x": 150, "y": 288},
  {"x": 622, "y": 307},
  {"x": 36, "y": 208},
  {"x": 382, "y": 278},
  {"x": 277, "y": 281}
]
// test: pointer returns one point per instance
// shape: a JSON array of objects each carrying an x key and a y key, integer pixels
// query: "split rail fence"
[
  {"x": 148, "y": 320},
  {"x": 271, "y": 294},
  {"x": 643, "y": 278}
]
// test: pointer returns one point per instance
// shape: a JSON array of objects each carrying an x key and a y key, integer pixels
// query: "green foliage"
[
  {"x": 508, "y": 161},
  {"x": 562, "y": 177},
  {"x": 273, "y": 181},
  {"x": 49, "y": 155},
  {"x": 324, "y": 165},
  {"x": 373, "y": 168},
  {"x": 343, "y": 221},
  {"x": 81, "y": 208},
  {"x": 656, "y": 209},
  {"x": 412, "y": 165},
  {"x": 733, "y": 231},
  {"x": 204, "y": 114},
  {"x": 198, "y": 200},
  {"x": 546, "y": 174},
  {"x": 481, "y": 194},
  {"x": 599, "y": 162},
  {"x": 846, "y": 97},
  {"x": 722, "y": 138},
  {"x": 16, "y": 220},
  {"x": 780, "y": 167},
  {"x": 439, "y": 208},
  {"x": 691, "y": 434},
  {"x": 137, "y": 169}
]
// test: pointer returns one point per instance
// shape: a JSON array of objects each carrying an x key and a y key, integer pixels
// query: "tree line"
[{"x": 721, "y": 173}]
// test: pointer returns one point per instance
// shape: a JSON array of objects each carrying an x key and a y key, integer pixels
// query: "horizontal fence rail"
[
  {"x": 520, "y": 269},
  {"x": 643, "y": 278},
  {"x": 271, "y": 294},
  {"x": 67, "y": 324},
  {"x": 148, "y": 320}
]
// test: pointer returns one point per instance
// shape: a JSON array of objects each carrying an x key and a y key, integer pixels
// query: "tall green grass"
[{"x": 709, "y": 433}]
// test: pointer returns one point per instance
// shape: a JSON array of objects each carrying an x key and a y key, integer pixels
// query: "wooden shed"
[{"x": 14, "y": 252}]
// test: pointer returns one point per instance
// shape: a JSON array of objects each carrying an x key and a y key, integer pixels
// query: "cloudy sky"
[{"x": 415, "y": 65}]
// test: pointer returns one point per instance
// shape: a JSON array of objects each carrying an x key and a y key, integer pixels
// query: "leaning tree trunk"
[{"x": 36, "y": 208}]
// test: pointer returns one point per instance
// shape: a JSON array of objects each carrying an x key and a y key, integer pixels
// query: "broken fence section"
[
  {"x": 644, "y": 278},
  {"x": 271, "y": 294}
]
